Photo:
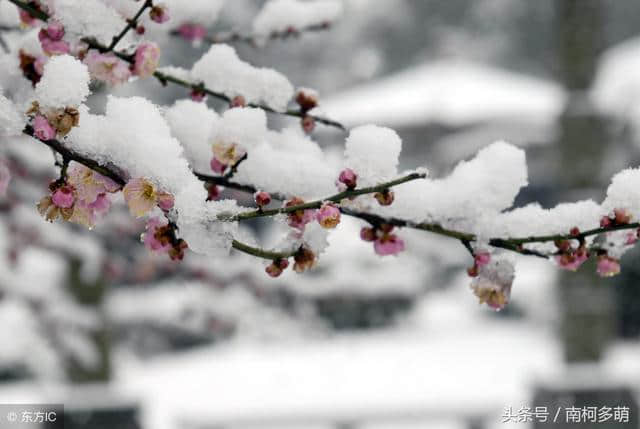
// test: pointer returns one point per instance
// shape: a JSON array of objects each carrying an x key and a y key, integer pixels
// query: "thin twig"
[
  {"x": 349, "y": 193},
  {"x": 261, "y": 253},
  {"x": 254, "y": 40},
  {"x": 131, "y": 24}
]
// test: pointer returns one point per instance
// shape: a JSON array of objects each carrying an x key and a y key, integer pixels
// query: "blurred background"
[{"x": 126, "y": 339}]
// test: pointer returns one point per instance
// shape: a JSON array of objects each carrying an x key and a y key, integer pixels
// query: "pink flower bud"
[
  {"x": 607, "y": 266},
  {"x": 43, "y": 129},
  {"x": 156, "y": 238},
  {"x": 388, "y": 244},
  {"x": 482, "y": 258},
  {"x": 63, "y": 197},
  {"x": 572, "y": 259},
  {"x": 238, "y": 101},
  {"x": 146, "y": 59},
  {"x": 622, "y": 216},
  {"x": 213, "y": 191},
  {"x": 299, "y": 218},
  {"x": 304, "y": 259},
  {"x": 165, "y": 201},
  {"x": 198, "y": 95},
  {"x": 192, "y": 32},
  {"x": 632, "y": 238},
  {"x": 54, "y": 30},
  {"x": 605, "y": 222},
  {"x": 159, "y": 13},
  {"x": 328, "y": 216},
  {"x": 262, "y": 198},
  {"x": 368, "y": 234},
  {"x": 349, "y": 178},
  {"x": 308, "y": 124},
  {"x": 384, "y": 198},
  {"x": 277, "y": 267},
  {"x": 307, "y": 99},
  {"x": 25, "y": 18},
  {"x": 217, "y": 166}
]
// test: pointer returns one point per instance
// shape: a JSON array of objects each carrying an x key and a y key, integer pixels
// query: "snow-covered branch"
[{"x": 168, "y": 163}]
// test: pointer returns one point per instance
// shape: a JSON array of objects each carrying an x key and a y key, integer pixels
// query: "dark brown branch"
[{"x": 31, "y": 10}]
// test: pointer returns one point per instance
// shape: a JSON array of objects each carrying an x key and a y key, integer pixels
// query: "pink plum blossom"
[
  {"x": 154, "y": 238},
  {"x": 42, "y": 128},
  {"x": 87, "y": 214},
  {"x": 388, "y": 244},
  {"x": 227, "y": 153},
  {"x": 63, "y": 197},
  {"x": 146, "y": 59},
  {"x": 299, "y": 218},
  {"x": 88, "y": 184},
  {"x": 140, "y": 195},
  {"x": 107, "y": 67},
  {"x": 607, "y": 266}
]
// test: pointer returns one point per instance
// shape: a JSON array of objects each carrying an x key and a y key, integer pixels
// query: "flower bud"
[
  {"x": 349, "y": 178},
  {"x": 385, "y": 198},
  {"x": 262, "y": 198},
  {"x": 238, "y": 101},
  {"x": 328, "y": 216},
  {"x": 307, "y": 99},
  {"x": 368, "y": 234},
  {"x": 159, "y": 13},
  {"x": 308, "y": 124}
]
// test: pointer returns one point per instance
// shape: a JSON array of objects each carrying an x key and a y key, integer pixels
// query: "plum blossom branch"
[
  {"x": 515, "y": 244},
  {"x": 70, "y": 155},
  {"x": 164, "y": 78},
  {"x": 349, "y": 193}
]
